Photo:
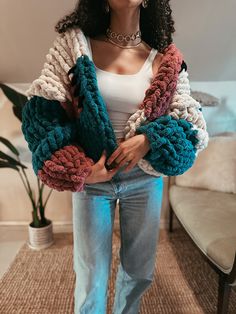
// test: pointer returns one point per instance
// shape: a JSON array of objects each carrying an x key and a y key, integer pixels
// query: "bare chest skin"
[{"x": 111, "y": 58}]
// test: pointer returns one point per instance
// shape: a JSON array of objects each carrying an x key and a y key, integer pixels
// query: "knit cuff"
[
  {"x": 67, "y": 169},
  {"x": 172, "y": 144}
]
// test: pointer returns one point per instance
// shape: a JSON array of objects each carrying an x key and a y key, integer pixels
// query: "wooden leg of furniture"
[
  {"x": 223, "y": 295},
  {"x": 171, "y": 213}
]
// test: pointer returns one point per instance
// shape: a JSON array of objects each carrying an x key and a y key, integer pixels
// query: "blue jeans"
[{"x": 140, "y": 200}]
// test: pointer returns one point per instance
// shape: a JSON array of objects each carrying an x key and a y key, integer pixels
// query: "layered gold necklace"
[{"x": 111, "y": 35}]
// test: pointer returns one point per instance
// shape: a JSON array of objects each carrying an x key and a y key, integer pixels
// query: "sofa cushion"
[
  {"x": 215, "y": 166},
  {"x": 209, "y": 217}
]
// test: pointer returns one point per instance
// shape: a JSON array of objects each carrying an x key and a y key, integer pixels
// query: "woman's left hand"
[{"x": 132, "y": 150}]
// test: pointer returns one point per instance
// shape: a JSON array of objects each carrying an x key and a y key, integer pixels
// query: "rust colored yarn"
[
  {"x": 67, "y": 169},
  {"x": 158, "y": 96}
]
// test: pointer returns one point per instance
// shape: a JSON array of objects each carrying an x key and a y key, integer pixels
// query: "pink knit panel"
[
  {"x": 159, "y": 94},
  {"x": 67, "y": 169}
]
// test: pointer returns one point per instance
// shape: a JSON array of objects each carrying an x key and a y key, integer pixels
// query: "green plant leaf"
[
  {"x": 44, "y": 205},
  {"x": 11, "y": 160},
  {"x": 16, "y": 98},
  {"x": 5, "y": 164},
  {"x": 9, "y": 145}
]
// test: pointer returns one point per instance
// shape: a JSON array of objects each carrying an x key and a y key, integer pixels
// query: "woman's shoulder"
[
  {"x": 173, "y": 52},
  {"x": 179, "y": 52}
]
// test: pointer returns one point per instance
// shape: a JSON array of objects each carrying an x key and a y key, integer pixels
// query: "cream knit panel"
[
  {"x": 184, "y": 106},
  {"x": 54, "y": 82},
  {"x": 134, "y": 121}
]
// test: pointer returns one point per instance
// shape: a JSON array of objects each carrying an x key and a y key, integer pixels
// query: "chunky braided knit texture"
[
  {"x": 82, "y": 101},
  {"x": 94, "y": 126},
  {"x": 159, "y": 94},
  {"x": 67, "y": 169},
  {"x": 172, "y": 144},
  {"x": 54, "y": 82},
  {"x": 48, "y": 130},
  {"x": 184, "y": 106}
]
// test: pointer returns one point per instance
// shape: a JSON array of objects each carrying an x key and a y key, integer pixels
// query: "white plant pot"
[{"x": 40, "y": 238}]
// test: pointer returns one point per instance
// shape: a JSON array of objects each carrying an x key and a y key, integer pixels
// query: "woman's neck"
[{"x": 125, "y": 21}]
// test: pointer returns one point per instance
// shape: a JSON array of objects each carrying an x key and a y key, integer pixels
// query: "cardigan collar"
[
  {"x": 71, "y": 48},
  {"x": 163, "y": 85}
]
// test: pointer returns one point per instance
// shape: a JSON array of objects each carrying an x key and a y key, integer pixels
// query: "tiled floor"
[{"x": 11, "y": 240}]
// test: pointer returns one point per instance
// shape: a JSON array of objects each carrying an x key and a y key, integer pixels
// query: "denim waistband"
[
  {"x": 123, "y": 182},
  {"x": 133, "y": 173}
]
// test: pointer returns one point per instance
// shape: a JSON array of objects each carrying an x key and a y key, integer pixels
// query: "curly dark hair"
[{"x": 156, "y": 22}]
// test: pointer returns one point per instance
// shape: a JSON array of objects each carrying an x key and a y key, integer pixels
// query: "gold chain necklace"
[{"x": 120, "y": 37}]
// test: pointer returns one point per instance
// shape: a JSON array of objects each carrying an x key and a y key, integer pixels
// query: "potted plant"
[{"x": 40, "y": 228}]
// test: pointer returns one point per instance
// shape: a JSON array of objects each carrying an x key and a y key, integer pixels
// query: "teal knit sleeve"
[
  {"x": 172, "y": 144},
  {"x": 52, "y": 138},
  {"x": 46, "y": 128}
]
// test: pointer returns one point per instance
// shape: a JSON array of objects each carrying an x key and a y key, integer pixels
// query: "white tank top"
[{"x": 123, "y": 93}]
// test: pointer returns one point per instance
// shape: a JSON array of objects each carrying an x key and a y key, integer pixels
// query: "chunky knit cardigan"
[{"x": 67, "y": 126}]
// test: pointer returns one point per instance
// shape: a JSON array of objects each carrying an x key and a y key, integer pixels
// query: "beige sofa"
[{"x": 203, "y": 200}]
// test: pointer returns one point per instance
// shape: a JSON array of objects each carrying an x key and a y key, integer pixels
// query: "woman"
[
  {"x": 123, "y": 157},
  {"x": 140, "y": 195}
]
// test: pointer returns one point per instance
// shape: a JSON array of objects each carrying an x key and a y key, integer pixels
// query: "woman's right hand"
[{"x": 99, "y": 171}]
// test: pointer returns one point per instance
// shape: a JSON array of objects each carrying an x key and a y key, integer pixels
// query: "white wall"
[
  {"x": 220, "y": 118},
  {"x": 205, "y": 33},
  {"x": 26, "y": 34}
]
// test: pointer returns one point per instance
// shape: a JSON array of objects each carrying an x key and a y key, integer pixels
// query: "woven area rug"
[{"x": 42, "y": 282}]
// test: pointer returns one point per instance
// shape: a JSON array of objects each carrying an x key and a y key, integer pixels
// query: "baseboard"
[
  {"x": 164, "y": 223},
  {"x": 25, "y": 223}
]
